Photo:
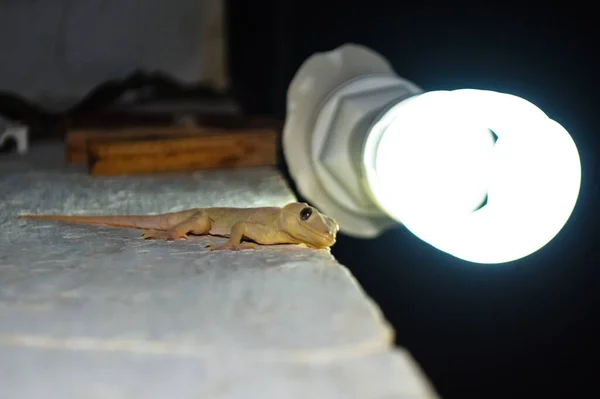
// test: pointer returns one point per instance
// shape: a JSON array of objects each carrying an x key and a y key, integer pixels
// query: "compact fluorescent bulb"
[{"x": 484, "y": 176}]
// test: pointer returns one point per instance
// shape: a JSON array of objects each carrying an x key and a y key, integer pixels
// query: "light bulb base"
[{"x": 333, "y": 101}]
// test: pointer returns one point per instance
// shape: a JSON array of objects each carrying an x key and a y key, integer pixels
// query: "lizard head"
[{"x": 306, "y": 224}]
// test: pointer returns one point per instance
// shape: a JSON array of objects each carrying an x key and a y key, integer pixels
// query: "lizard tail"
[{"x": 136, "y": 222}]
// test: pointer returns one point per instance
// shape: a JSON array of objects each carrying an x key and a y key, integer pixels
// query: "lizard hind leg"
[{"x": 197, "y": 224}]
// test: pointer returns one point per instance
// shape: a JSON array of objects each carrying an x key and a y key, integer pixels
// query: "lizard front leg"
[
  {"x": 256, "y": 232},
  {"x": 198, "y": 224}
]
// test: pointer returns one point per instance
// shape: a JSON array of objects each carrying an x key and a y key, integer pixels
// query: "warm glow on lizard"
[{"x": 295, "y": 223}]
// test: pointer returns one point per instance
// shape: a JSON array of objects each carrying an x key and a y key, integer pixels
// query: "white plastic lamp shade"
[{"x": 432, "y": 160}]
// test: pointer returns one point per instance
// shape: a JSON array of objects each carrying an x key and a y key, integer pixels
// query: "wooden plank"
[
  {"x": 230, "y": 150},
  {"x": 160, "y": 145},
  {"x": 77, "y": 140}
]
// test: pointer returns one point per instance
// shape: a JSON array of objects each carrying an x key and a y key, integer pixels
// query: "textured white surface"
[{"x": 90, "y": 311}]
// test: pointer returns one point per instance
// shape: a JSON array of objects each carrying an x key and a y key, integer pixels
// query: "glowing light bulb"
[
  {"x": 431, "y": 160},
  {"x": 484, "y": 176}
]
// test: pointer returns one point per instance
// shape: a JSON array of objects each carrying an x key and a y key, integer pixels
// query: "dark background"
[{"x": 526, "y": 328}]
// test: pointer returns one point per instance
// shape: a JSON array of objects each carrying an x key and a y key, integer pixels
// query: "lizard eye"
[{"x": 305, "y": 213}]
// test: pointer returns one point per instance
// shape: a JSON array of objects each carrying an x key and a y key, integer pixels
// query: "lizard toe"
[
  {"x": 235, "y": 247},
  {"x": 163, "y": 235},
  {"x": 148, "y": 234}
]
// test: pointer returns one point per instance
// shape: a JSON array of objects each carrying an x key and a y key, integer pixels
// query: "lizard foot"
[
  {"x": 163, "y": 235},
  {"x": 231, "y": 247}
]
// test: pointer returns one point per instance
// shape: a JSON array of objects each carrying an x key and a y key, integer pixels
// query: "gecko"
[{"x": 294, "y": 223}]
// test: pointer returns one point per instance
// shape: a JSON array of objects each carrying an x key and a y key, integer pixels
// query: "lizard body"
[{"x": 295, "y": 223}]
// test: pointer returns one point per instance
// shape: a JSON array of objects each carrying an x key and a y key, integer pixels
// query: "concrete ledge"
[{"x": 90, "y": 311}]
